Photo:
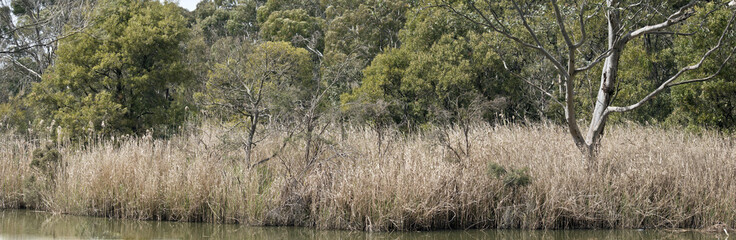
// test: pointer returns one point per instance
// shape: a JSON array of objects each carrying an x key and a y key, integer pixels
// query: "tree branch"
[
  {"x": 34, "y": 73},
  {"x": 681, "y": 15},
  {"x": 486, "y": 21},
  {"x": 561, "y": 23},
  {"x": 669, "y": 83}
]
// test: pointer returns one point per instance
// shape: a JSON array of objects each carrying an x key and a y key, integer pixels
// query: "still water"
[{"x": 23, "y": 224}]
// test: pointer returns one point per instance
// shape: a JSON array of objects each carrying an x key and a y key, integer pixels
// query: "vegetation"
[
  {"x": 371, "y": 114},
  {"x": 671, "y": 179},
  {"x": 123, "y": 77},
  {"x": 576, "y": 37}
]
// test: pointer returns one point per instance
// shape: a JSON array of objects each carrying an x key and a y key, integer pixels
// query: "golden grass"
[{"x": 647, "y": 177}]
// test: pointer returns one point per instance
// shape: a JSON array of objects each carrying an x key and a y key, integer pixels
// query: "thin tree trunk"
[
  {"x": 571, "y": 116},
  {"x": 251, "y": 133},
  {"x": 310, "y": 129}
]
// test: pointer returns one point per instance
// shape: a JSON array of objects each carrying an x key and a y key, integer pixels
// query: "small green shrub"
[
  {"x": 496, "y": 170},
  {"x": 46, "y": 160},
  {"x": 517, "y": 178},
  {"x": 32, "y": 192},
  {"x": 511, "y": 178}
]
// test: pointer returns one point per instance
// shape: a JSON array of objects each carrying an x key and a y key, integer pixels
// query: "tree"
[
  {"x": 30, "y": 30},
  {"x": 710, "y": 104},
  {"x": 253, "y": 84},
  {"x": 29, "y": 33},
  {"x": 366, "y": 29},
  {"x": 311, "y": 7},
  {"x": 442, "y": 67},
  {"x": 576, "y": 49},
  {"x": 356, "y": 32},
  {"x": 287, "y": 24},
  {"x": 124, "y": 75},
  {"x": 217, "y": 19}
]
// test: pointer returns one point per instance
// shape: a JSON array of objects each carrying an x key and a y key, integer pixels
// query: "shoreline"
[{"x": 715, "y": 229}]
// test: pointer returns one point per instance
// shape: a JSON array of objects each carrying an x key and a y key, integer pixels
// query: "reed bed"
[{"x": 646, "y": 177}]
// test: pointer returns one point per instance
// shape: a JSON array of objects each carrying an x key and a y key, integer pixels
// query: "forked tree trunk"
[
  {"x": 606, "y": 90},
  {"x": 589, "y": 143},
  {"x": 600, "y": 115}
]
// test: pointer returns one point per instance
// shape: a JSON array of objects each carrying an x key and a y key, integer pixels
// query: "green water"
[{"x": 23, "y": 224}]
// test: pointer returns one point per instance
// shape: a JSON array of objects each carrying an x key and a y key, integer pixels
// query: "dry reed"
[{"x": 646, "y": 178}]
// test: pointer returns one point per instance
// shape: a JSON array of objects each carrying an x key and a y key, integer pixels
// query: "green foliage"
[
  {"x": 379, "y": 99},
  {"x": 710, "y": 104},
  {"x": 385, "y": 62},
  {"x": 5, "y": 20},
  {"x": 311, "y": 7},
  {"x": 439, "y": 71},
  {"x": 287, "y": 24},
  {"x": 366, "y": 29},
  {"x": 46, "y": 160},
  {"x": 645, "y": 65},
  {"x": 513, "y": 178},
  {"x": 219, "y": 19},
  {"x": 496, "y": 170},
  {"x": 123, "y": 75},
  {"x": 14, "y": 115},
  {"x": 253, "y": 80},
  {"x": 517, "y": 178},
  {"x": 355, "y": 32}
]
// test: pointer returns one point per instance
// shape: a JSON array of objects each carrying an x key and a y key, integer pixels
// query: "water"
[{"x": 23, "y": 224}]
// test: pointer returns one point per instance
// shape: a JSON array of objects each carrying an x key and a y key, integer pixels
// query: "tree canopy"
[
  {"x": 123, "y": 75},
  {"x": 141, "y": 65}
]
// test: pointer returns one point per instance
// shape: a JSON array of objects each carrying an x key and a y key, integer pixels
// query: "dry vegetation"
[{"x": 647, "y": 177}]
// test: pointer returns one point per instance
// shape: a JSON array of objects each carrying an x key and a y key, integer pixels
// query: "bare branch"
[
  {"x": 680, "y": 16},
  {"x": 597, "y": 60},
  {"x": 669, "y": 83},
  {"x": 486, "y": 22},
  {"x": 561, "y": 23},
  {"x": 730, "y": 55},
  {"x": 539, "y": 46},
  {"x": 583, "y": 33},
  {"x": 34, "y": 73},
  {"x": 543, "y": 91},
  {"x": 672, "y": 33}
]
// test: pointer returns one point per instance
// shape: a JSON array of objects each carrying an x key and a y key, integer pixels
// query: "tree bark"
[
  {"x": 251, "y": 134},
  {"x": 617, "y": 39},
  {"x": 609, "y": 76}
]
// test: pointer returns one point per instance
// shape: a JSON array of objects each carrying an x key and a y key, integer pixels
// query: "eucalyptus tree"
[
  {"x": 29, "y": 35},
  {"x": 256, "y": 84},
  {"x": 441, "y": 68},
  {"x": 123, "y": 75},
  {"x": 226, "y": 18},
  {"x": 31, "y": 29},
  {"x": 578, "y": 37}
]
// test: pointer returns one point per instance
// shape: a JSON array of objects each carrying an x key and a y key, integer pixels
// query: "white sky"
[{"x": 188, "y": 4}]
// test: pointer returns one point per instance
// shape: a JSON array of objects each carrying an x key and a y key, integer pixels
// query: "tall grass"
[{"x": 646, "y": 178}]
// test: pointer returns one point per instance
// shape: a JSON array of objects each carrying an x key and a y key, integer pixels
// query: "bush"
[
  {"x": 511, "y": 178},
  {"x": 46, "y": 160}
]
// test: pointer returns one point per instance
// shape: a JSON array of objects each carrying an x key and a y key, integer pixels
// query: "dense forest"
[
  {"x": 300, "y": 102},
  {"x": 125, "y": 67}
]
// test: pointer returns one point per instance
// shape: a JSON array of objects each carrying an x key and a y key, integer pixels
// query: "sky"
[{"x": 188, "y": 4}]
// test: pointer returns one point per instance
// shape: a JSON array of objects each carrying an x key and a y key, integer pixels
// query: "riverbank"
[{"x": 529, "y": 177}]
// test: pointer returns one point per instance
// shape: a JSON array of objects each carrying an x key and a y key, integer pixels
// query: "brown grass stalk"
[{"x": 647, "y": 178}]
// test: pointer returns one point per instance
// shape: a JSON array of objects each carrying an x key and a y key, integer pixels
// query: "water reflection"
[{"x": 38, "y": 225}]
